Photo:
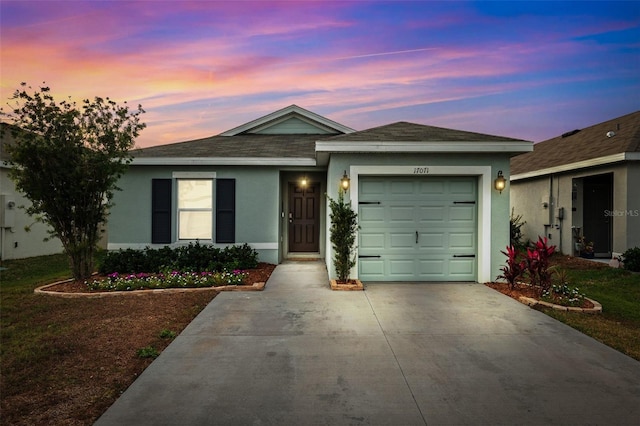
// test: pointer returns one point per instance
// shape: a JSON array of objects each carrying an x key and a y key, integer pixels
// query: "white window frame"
[{"x": 191, "y": 176}]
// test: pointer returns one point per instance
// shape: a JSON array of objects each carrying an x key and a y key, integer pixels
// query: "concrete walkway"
[{"x": 396, "y": 354}]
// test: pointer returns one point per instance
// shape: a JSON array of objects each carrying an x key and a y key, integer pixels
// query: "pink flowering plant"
[{"x": 166, "y": 279}]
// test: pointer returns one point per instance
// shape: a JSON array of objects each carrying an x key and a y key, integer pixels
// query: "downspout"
[
  {"x": 560, "y": 218},
  {"x": 551, "y": 207}
]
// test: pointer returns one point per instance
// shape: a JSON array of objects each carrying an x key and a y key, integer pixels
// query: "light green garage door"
[{"x": 417, "y": 229}]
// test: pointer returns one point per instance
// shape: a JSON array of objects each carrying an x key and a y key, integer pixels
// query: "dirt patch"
[{"x": 88, "y": 352}]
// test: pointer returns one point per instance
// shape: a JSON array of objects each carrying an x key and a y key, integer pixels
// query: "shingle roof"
[
  {"x": 410, "y": 132},
  {"x": 589, "y": 143},
  {"x": 266, "y": 146}
]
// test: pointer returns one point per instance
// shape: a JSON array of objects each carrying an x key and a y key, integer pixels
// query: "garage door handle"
[
  {"x": 464, "y": 255},
  {"x": 368, "y": 202},
  {"x": 416, "y": 237},
  {"x": 366, "y": 256},
  {"x": 464, "y": 202}
]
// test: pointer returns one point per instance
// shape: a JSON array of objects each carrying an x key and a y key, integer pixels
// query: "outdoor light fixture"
[
  {"x": 304, "y": 182},
  {"x": 345, "y": 181},
  {"x": 500, "y": 182}
]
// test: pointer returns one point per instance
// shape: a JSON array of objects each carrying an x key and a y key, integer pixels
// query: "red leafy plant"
[
  {"x": 513, "y": 270},
  {"x": 535, "y": 265},
  {"x": 538, "y": 264}
]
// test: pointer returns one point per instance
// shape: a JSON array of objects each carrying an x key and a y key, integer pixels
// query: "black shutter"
[
  {"x": 225, "y": 210},
  {"x": 161, "y": 211}
]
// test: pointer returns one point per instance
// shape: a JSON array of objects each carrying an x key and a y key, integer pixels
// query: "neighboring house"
[
  {"x": 425, "y": 196},
  {"x": 15, "y": 241},
  {"x": 583, "y": 183}
]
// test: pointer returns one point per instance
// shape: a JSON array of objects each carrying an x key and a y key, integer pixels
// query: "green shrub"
[
  {"x": 148, "y": 352},
  {"x": 515, "y": 227},
  {"x": 167, "y": 334},
  {"x": 194, "y": 257},
  {"x": 240, "y": 257},
  {"x": 631, "y": 259},
  {"x": 344, "y": 225}
]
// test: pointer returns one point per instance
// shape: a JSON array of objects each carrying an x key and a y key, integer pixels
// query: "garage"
[{"x": 418, "y": 228}]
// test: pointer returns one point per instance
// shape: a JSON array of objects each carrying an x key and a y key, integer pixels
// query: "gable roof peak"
[{"x": 324, "y": 124}]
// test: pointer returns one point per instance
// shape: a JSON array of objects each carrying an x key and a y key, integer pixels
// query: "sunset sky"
[{"x": 529, "y": 70}]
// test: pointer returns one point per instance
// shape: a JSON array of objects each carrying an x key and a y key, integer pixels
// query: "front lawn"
[
  {"x": 619, "y": 293},
  {"x": 65, "y": 361}
]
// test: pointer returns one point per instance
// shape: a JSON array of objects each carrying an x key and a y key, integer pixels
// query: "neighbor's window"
[{"x": 195, "y": 209}]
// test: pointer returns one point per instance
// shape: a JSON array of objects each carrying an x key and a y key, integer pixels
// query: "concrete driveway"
[{"x": 396, "y": 354}]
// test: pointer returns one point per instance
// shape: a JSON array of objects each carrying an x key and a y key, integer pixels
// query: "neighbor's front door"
[{"x": 304, "y": 214}]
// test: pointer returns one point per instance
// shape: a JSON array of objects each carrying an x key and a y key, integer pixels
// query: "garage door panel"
[
  {"x": 462, "y": 214},
  {"x": 462, "y": 240},
  {"x": 431, "y": 269},
  {"x": 401, "y": 268},
  {"x": 402, "y": 214},
  {"x": 372, "y": 187},
  {"x": 431, "y": 187},
  {"x": 402, "y": 187},
  {"x": 373, "y": 268},
  {"x": 443, "y": 213},
  {"x": 373, "y": 241},
  {"x": 462, "y": 188},
  {"x": 431, "y": 214},
  {"x": 402, "y": 240},
  {"x": 431, "y": 240},
  {"x": 371, "y": 214},
  {"x": 461, "y": 267}
]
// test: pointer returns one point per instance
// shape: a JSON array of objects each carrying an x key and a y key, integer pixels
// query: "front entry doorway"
[
  {"x": 304, "y": 218},
  {"x": 598, "y": 201}
]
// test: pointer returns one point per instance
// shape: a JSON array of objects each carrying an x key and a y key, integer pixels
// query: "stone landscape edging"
[
  {"x": 529, "y": 301},
  {"x": 358, "y": 286},
  {"x": 43, "y": 290}
]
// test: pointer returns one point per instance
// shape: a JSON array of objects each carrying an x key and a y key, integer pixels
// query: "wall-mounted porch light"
[
  {"x": 345, "y": 181},
  {"x": 500, "y": 182},
  {"x": 304, "y": 182}
]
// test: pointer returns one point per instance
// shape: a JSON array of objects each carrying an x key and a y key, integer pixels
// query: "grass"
[
  {"x": 619, "y": 293},
  {"x": 23, "y": 275},
  {"x": 64, "y": 361}
]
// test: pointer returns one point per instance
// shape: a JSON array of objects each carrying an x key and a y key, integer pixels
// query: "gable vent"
[{"x": 571, "y": 133}]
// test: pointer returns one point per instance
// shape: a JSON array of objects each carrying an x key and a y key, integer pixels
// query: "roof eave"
[
  {"x": 431, "y": 146},
  {"x": 223, "y": 161},
  {"x": 324, "y": 149},
  {"x": 592, "y": 162}
]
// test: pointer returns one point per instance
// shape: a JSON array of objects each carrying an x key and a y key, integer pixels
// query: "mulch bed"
[
  {"x": 260, "y": 274},
  {"x": 527, "y": 291},
  {"x": 562, "y": 262}
]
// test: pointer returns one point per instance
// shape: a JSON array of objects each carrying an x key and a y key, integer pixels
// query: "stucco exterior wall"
[
  {"x": 565, "y": 190},
  {"x": 633, "y": 206},
  {"x": 15, "y": 241},
  {"x": 489, "y": 244},
  {"x": 257, "y": 211}
]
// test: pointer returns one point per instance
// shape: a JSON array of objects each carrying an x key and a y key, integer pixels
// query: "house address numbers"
[{"x": 420, "y": 170}]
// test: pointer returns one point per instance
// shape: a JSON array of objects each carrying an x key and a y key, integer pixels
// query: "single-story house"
[
  {"x": 581, "y": 184},
  {"x": 15, "y": 241},
  {"x": 425, "y": 197}
]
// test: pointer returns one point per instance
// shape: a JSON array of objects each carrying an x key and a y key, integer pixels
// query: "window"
[
  {"x": 190, "y": 214},
  {"x": 195, "y": 209}
]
